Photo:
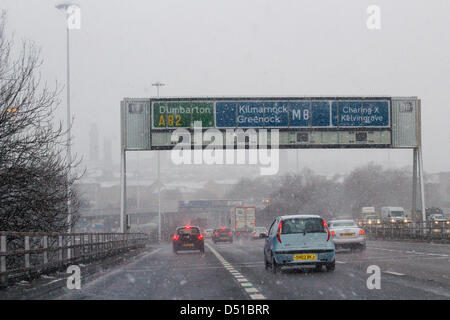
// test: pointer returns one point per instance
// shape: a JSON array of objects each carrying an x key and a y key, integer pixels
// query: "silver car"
[
  {"x": 347, "y": 234},
  {"x": 259, "y": 233}
]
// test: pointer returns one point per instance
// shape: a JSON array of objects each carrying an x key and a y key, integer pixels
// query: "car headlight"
[
  {"x": 448, "y": 222},
  {"x": 379, "y": 221},
  {"x": 392, "y": 220},
  {"x": 406, "y": 220},
  {"x": 436, "y": 222},
  {"x": 370, "y": 222}
]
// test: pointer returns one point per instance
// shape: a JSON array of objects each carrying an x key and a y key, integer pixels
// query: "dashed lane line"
[
  {"x": 394, "y": 273},
  {"x": 413, "y": 252},
  {"x": 248, "y": 287}
]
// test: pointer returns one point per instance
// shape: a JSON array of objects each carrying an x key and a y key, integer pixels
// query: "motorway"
[{"x": 236, "y": 271}]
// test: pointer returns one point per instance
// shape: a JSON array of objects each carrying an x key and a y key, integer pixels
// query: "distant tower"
[
  {"x": 93, "y": 143},
  {"x": 107, "y": 158}
]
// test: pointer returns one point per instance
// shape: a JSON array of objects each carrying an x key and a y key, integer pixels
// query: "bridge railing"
[
  {"x": 27, "y": 254},
  {"x": 408, "y": 231}
]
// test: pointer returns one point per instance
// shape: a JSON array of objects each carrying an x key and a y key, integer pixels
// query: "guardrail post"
[
  {"x": 45, "y": 239},
  {"x": 60, "y": 251},
  {"x": 82, "y": 247},
  {"x": 3, "y": 276},
  {"x": 90, "y": 246},
  {"x": 102, "y": 241},
  {"x": 27, "y": 255}
]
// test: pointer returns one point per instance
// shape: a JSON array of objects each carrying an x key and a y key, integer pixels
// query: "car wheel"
[
  {"x": 362, "y": 247},
  {"x": 202, "y": 250},
  {"x": 266, "y": 263},
  {"x": 331, "y": 266},
  {"x": 275, "y": 267},
  {"x": 318, "y": 268}
]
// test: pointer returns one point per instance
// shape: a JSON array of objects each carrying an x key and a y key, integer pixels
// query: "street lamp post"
[
  {"x": 158, "y": 85},
  {"x": 65, "y": 6}
]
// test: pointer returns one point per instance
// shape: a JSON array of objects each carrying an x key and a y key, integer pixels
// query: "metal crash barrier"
[
  {"x": 27, "y": 254},
  {"x": 429, "y": 231}
]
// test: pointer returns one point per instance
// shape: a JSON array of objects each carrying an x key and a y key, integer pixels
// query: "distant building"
[
  {"x": 93, "y": 143},
  {"x": 437, "y": 190},
  {"x": 107, "y": 158}
]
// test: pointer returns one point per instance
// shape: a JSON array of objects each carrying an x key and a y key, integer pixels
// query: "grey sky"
[{"x": 258, "y": 47}]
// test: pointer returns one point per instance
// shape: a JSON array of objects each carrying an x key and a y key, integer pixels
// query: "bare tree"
[{"x": 35, "y": 184}]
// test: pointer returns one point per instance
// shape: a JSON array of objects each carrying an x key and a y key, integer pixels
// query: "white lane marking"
[
  {"x": 257, "y": 296},
  {"x": 343, "y": 262},
  {"x": 394, "y": 273},
  {"x": 248, "y": 286},
  {"x": 437, "y": 254},
  {"x": 53, "y": 281},
  {"x": 413, "y": 252}
]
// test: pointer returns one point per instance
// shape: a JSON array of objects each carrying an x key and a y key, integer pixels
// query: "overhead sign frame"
[{"x": 401, "y": 129}]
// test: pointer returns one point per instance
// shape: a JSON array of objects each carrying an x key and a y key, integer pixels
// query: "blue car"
[{"x": 299, "y": 240}]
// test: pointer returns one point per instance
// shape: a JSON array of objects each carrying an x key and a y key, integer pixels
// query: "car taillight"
[
  {"x": 361, "y": 232},
  {"x": 230, "y": 233},
  {"x": 279, "y": 231},
  {"x": 328, "y": 231},
  {"x": 175, "y": 237},
  {"x": 187, "y": 227},
  {"x": 200, "y": 237},
  {"x": 333, "y": 233},
  {"x": 217, "y": 233}
]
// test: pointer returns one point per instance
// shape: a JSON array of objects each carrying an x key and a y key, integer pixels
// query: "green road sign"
[{"x": 182, "y": 114}]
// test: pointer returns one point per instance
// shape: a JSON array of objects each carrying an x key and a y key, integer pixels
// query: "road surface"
[{"x": 236, "y": 271}]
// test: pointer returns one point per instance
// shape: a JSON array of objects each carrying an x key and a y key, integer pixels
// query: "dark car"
[
  {"x": 188, "y": 238},
  {"x": 222, "y": 235}
]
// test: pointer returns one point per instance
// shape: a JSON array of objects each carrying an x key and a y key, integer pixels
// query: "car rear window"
[
  {"x": 188, "y": 231},
  {"x": 302, "y": 225},
  {"x": 223, "y": 230}
]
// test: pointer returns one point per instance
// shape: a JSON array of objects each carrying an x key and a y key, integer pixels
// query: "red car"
[
  {"x": 222, "y": 235},
  {"x": 188, "y": 238}
]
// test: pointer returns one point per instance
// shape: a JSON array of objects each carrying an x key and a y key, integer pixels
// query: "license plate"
[
  {"x": 305, "y": 257},
  {"x": 347, "y": 234},
  {"x": 224, "y": 238},
  {"x": 188, "y": 245}
]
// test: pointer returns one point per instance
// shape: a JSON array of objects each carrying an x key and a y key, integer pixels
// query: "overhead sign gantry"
[{"x": 302, "y": 122}]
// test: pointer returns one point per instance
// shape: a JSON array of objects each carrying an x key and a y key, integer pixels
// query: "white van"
[{"x": 394, "y": 215}]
